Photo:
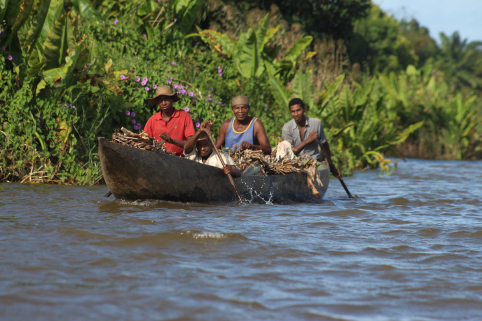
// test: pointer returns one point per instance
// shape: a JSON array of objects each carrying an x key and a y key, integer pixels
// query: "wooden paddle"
[
  {"x": 208, "y": 132},
  {"x": 333, "y": 168}
]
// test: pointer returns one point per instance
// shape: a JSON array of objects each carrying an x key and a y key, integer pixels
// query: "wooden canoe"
[{"x": 132, "y": 174}]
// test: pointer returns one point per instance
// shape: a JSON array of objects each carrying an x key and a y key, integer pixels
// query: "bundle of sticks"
[
  {"x": 268, "y": 165},
  {"x": 140, "y": 141}
]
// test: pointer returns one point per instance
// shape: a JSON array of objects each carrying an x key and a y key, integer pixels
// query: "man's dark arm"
[
  {"x": 222, "y": 134},
  {"x": 262, "y": 138}
]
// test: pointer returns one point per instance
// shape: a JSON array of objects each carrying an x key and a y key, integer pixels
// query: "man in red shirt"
[{"x": 172, "y": 125}]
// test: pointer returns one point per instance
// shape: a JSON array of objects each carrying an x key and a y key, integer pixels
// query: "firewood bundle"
[
  {"x": 267, "y": 164},
  {"x": 140, "y": 141}
]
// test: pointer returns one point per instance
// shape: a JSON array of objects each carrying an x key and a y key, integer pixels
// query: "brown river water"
[{"x": 410, "y": 248}]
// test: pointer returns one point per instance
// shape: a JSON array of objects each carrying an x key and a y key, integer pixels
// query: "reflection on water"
[{"x": 409, "y": 248}]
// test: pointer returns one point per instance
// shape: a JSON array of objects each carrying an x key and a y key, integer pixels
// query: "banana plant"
[{"x": 252, "y": 53}]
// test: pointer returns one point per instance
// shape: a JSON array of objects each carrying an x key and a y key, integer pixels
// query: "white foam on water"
[{"x": 210, "y": 235}]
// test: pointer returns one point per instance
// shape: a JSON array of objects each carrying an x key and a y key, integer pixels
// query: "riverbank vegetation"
[{"x": 75, "y": 70}]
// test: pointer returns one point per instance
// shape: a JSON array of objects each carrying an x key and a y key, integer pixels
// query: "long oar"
[
  {"x": 208, "y": 132},
  {"x": 333, "y": 167}
]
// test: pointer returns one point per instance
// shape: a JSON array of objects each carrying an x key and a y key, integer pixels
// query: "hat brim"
[{"x": 153, "y": 101}]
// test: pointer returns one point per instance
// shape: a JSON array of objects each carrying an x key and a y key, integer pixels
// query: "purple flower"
[
  {"x": 67, "y": 105},
  {"x": 145, "y": 79},
  {"x": 183, "y": 91},
  {"x": 122, "y": 77},
  {"x": 198, "y": 125},
  {"x": 133, "y": 121},
  {"x": 143, "y": 83},
  {"x": 169, "y": 82},
  {"x": 175, "y": 19},
  {"x": 219, "y": 103},
  {"x": 86, "y": 67},
  {"x": 41, "y": 119},
  {"x": 116, "y": 21},
  {"x": 175, "y": 86},
  {"x": 6, "y": 139},
  {"x": 174, "y": 63},
  {"x": 4, "y": 48},
  {"x": 186, "y": 109},
  {"x": 128, "y": 113},
  {"x": 194, "y": 98},
  {"x": 154, "y": 86},
  {"x": 209, "y": 95},
  {"x": 133, "y": 114},
  {"x": 145, "y": 36},
  {"x": 147, "y": 88},
  {"x": 10, "y": 58},
  {"x": 139, "y": 125},
  {"x": 197, "y": 120},
  {"x": 220, "y": 74},
  {"x": 211, "y": 88},
  {"x": 0, "y": 31},
  {"x": 266, "y": 107},
  {"x": 138, "y": 79},
  {"x": 219, "y": 67},
  {"x": 209, "y": 99},
  {"x": 191, "y": 94}
]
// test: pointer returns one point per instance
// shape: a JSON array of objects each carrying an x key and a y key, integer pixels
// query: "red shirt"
[{"x": 179, "y": 127}]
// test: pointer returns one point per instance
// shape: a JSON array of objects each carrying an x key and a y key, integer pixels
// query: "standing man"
[
  {"x": 303, "y": 134},
  {"x": 243, "y": 131},
  {"x": 172, "y": 125}
]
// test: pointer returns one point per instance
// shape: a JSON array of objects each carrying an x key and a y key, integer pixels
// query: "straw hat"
[
  {"x": 240, "y": 100},
  {"x": 164, "y": 90}
]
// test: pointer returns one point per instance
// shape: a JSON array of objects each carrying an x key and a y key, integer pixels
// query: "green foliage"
[{"x": 77, "y": 70}]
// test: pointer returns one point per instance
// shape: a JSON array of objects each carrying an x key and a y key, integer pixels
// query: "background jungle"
[{"x": 75, "y": 70}]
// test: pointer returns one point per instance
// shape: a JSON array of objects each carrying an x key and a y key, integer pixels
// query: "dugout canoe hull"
[{"x": 134, "y": 174}]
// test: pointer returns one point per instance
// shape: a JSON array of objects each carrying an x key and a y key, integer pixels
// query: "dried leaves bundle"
[
  {"x": 267, "y": 163},
  {"x": 140, "y": 141}
]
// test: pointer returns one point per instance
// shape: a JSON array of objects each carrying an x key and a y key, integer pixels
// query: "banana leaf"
[
  {"x": 60, "y": 39},
  {"x": 87, "y": 10},
  {"x": 36, "y": 29},
  {"x": 279, "y": 92},
  {"x": 302, "y": 87},
  {"x": 22, "y": 17}
]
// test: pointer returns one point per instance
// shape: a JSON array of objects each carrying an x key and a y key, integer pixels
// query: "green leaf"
[
  {"x": 148, "y": 7},
  {"x": 59, "y": 40},
  {"x": 56, "y": 9},
  {"x": 250, "y": 63},
  {"x": 189, "y": 15},
  {"x": 62, "y": 76},
  {"x": 279, "y": 92},
  {"x": 302, "y": 87},
  {"x": 87, "y": 10},
  {"x": 21, "y": 19},
  {"x": 330, "y": 90},
  {"x": 270, "y": 34},
  {"x": 36, "y": 29},
  {"x": 3, "y": 8},
  {"x": 295, "y": 52},
  {"x": 261, "y": 32}
]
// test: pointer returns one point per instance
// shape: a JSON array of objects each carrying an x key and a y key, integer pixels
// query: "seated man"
[
  {"x": 302, "y": 134},
  {"x": 172, "y": 125},
  {"x": 199, "y": 149},
  {"x": 243, "y": 131}
]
